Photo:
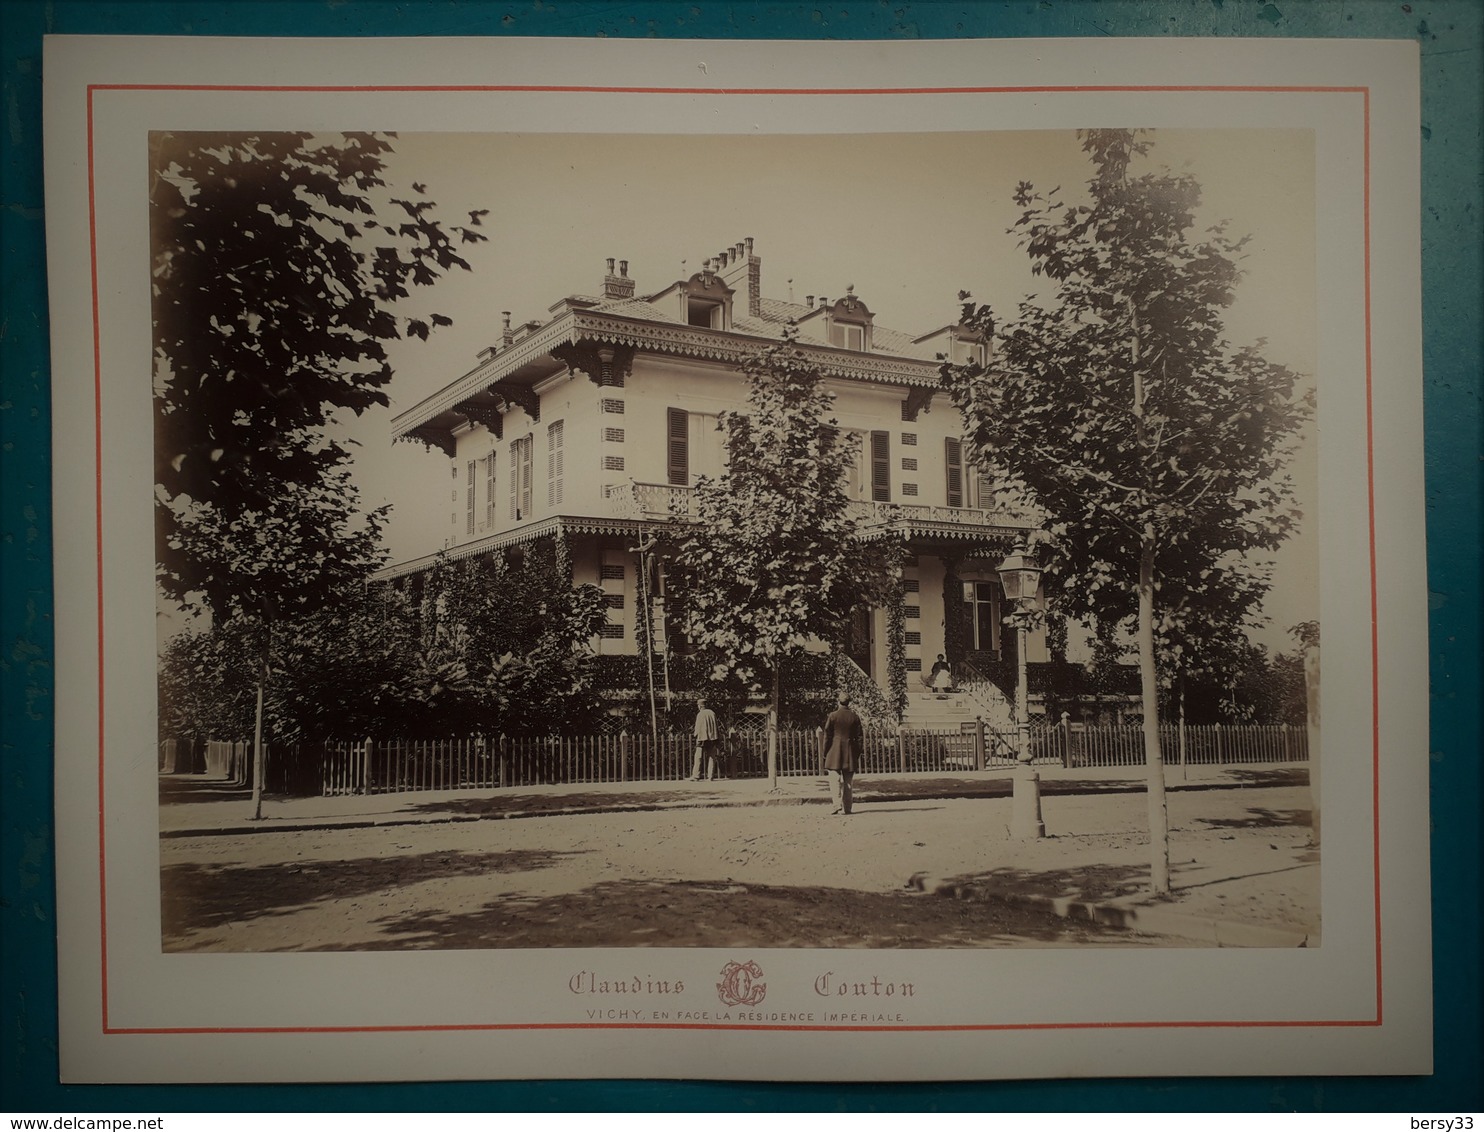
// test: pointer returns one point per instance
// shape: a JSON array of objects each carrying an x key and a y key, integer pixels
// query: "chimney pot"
[
  {"x": 809, "y": 301},
  {"x": 748, "y": 243},
  {"x": 505, "y": 315},
  {"x": 618, "y": 286},
  {"x": 737, "y": 252}
]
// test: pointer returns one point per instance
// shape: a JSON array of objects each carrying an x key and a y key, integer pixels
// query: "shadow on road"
[
  {"x": 702, "y": 914},
  {"x": 489, "y": 806},
  {"x": 1259, "y": 818},
  {"x": 1276, "y": 776},
  {"x": 195, "y": 898},
  {"x": 178, "y": 788},
  {"x": 1091, "y": 882}
]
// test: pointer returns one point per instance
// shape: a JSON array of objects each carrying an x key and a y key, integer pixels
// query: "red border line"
[
  {"x": 1370, "y": 480},
  {"x": 98, "y": 550},
  {"x": 765, "y": 91},
  {"x": 538, "y": 89},
  {"x": 712, "y": 1026}
]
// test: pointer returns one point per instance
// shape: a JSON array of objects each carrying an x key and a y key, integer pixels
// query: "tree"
[
  {"x": 346, "y": 670},
  {"x": 1156, "y": 449},
  {"x": 279, "y": 263},
  {"x": 200, "y": 693},
  {"x": 772, "y": 559},
  {"x": 504, "y": 643}
]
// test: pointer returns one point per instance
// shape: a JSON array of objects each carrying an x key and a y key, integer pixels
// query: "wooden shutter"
[
  {"x": 514, "y": 480},
  {"x": 678, "y": 448},
  {"x": 554, "y": 462},
  {"x": 527, "y": 454},
  {"x": 469, "y": 503},
  {"x": 953, "y": 452},
  {"x": 881, "y": 467},
  {"x": 489, "y": 490},
  {"x": 983, "y": 492}
]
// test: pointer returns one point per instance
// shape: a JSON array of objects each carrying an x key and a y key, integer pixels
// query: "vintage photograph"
[{"x": 745, "y": 541}]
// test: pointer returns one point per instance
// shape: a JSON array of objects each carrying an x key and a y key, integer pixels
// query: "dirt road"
[{"x": 776, "y": 876}]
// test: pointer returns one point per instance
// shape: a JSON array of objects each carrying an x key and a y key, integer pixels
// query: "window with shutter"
[
  {"x": 489, "y": 490},
  {"x": 554, "y": 464},
  {"x": 527, "y": 446},
  {"x": 953, "y": 451},
  {"x": 881, "y": 467},
  {"x": 984, "y": 493},
  {"x": 514, "y": 480},
  {"x": 678, "y": 448},
  {"x": 520, "y": 477},
  {"x": 469, "y": 503}
]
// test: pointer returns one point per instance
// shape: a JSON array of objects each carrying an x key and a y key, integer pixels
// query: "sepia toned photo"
[
  {"x": 814, "y": 541},
  {"x": 632, "y": 559}
]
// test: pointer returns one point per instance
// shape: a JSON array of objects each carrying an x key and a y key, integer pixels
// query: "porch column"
[
  {"x": 955, "y": 635},
  {"x": 898, "y": 622}
]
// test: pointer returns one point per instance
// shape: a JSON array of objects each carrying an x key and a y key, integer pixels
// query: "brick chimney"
[
  {"x": 740, "y": 270},
  {"x": 754, "y": 280},
  {"x": 618, "y": 286}
]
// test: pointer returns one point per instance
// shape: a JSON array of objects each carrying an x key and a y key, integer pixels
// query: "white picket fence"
[{"x": 477, "y": 762}]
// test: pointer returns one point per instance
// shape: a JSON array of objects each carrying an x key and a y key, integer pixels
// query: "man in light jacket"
[
  {"x": 708, "y": 741},
  {"x": 844, "y": 744}
]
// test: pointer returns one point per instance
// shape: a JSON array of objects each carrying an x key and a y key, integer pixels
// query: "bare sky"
[{"x": 909, "y": 219}]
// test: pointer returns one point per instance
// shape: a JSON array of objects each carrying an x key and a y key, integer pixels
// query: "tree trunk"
[
  {"x": 258, "y": 775},
  {"x": 1159, "y": 816},
  {"x": 1184, "y": 773},
  {"x": 774, "y": 715},
  {"x": 1159, "y": 811},
  {"x": 265, "y": 670}
]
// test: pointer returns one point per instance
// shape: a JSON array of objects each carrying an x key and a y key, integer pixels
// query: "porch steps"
[{"x": 938, "y": 711}]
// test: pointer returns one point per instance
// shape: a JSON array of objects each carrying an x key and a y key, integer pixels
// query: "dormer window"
[
  {"x": 958, "y": 343},
  {"x": 848, "y": 336},
  {"x": 707, "y": 301},
  {"x": 700, "y": 312},
  {"x": 850, "y": 323},
  {"x": 968, "y": 351}
]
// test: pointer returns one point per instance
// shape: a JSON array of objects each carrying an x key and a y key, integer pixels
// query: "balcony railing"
[
  {"x": 662, "y": 501},
  {"x": 872, "y": 514},
  {"x": 635, "y": 500}
]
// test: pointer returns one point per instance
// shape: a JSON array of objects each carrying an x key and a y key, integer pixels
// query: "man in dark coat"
[
  {"x": 708, "y": 742},
  {"x": 844, "y": 744}
]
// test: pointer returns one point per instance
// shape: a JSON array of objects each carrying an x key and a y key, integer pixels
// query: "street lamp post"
[{"x": 1020, "y": 575}]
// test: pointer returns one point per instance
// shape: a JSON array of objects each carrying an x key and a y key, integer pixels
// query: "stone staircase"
[
  {"x": 951, "y": 715},
  {"x": 930, "y": 711}
]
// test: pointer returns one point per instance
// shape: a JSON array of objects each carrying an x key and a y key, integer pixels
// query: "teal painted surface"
[{"x": 1450, "y": 34}]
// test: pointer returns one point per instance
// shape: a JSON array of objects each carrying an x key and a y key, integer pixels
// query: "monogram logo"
[{"x": 741, "y": 984}]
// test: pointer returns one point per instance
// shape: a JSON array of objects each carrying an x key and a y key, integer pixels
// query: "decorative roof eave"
[
  {"x": 659, "y": 337},
  {"x": 547, "y": 528},
  {"x": 529, "y": 349},
  {"x": 732, "y": 346}
]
